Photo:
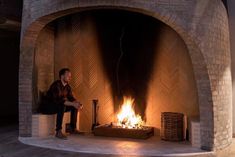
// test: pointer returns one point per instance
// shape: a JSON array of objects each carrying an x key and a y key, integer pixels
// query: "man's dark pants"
[{"x": 60, "y": 114}]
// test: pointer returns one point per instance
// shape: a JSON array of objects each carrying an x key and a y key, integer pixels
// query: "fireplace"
[
  {"x": 122, "y": 58},
  {"x": 116, "y": 54},
  {"x": 127, "y": 123},
  {"x": 161, "y": 54}
]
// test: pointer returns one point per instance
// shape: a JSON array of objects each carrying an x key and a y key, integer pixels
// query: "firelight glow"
[{"x": 126, "y": 116}]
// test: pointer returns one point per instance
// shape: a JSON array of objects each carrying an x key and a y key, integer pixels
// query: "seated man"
[{"x": 61, "y": 98}]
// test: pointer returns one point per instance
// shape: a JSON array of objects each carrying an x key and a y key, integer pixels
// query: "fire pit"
[
  {"x": 114, "y": 131},
  {"x": 129, "y": 125}
]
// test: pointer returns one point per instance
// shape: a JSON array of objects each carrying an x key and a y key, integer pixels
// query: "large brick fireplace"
[{"x": 170, "y": 56}]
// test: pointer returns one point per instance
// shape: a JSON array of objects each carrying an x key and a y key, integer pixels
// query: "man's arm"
[
  {"x": 75, "y": 104},
  {"x": 70, "y": 95},
  {"x": 58, "y": 99},
  {"x": 72, "y": 100},
  {"x": 54, "y": 94}
]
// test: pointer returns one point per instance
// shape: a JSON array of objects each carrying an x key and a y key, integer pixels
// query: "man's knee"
[{"x": 70, "y": 108}]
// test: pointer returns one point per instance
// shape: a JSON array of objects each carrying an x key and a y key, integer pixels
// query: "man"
[{"x": 60, "y": 95}]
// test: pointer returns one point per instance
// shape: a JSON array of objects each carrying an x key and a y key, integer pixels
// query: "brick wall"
[
  {"x": 167, "y": 81},
  {"x": 231, "y": 12},
  {"x": 78, "y": 48},
  {"x": 44, "y": 64},
  {"x": 202, "y": 24}
]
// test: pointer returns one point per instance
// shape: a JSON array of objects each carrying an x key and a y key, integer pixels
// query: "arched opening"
[
  {"x": 116, "y": 53},
  {"x": 31, "y": 33}
]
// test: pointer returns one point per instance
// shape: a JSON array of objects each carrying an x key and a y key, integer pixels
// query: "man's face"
[{"x": 67, "y": 77}]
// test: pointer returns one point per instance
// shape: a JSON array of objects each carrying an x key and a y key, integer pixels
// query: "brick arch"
[{"x": 28, "y": 42}]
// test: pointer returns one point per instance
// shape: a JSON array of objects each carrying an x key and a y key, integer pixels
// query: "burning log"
[
  {"x": 126, "y": 117},
  {"x": 129, "y": 125}
]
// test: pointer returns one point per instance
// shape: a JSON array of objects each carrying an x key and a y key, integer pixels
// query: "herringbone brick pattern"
[
  {"x": 172, "y": 87},
  {"x": 88, "y": 80}
]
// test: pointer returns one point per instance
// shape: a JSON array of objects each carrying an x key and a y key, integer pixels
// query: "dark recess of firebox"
[{"x": 128, "y": 43}]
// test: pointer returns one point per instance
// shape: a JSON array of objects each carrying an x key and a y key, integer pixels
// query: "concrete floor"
[
  {"x": 116, "y": 146},
  {"x": 11, "y": 147}
]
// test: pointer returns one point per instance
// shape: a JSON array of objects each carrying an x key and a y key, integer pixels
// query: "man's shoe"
[
  {"x": 60, "y": 135},
  {"x": 77, "y": 132}
]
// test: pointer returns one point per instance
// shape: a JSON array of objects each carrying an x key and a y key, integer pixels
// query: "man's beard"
[{"x": 65, "y": 81}]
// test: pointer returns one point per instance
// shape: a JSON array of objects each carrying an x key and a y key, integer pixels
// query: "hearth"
[
  {"x": 164, "y": 41},
  {"x": 116, "y": 131},
  {"x": 128, "y": 124}
]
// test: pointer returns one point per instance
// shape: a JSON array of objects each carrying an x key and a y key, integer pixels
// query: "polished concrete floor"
[
  {"x": 10, "y": 146},
  {"x": 116, "y": 146}
]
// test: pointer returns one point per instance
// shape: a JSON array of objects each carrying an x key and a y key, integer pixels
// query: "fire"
[{"x": 127, "y": 117}]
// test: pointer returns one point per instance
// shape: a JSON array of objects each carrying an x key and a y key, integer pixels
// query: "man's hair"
[{"x": 63, "y": 71}]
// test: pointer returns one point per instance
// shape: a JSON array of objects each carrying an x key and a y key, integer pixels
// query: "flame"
[{"x": 127, "y": 117}]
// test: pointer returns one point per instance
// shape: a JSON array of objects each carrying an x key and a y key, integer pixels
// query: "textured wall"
[
  {"x": 170, "y": 83},
  {"x": 231, "y": 11},
  {"x": 202, "y": 24},
  {"x": 173, "y": 86},
  {"x": 44, "y": 64},
  {"x": 76, "y": 47}
]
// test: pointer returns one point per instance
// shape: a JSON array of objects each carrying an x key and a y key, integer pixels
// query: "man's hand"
[{"x": 77, "y": 105}]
